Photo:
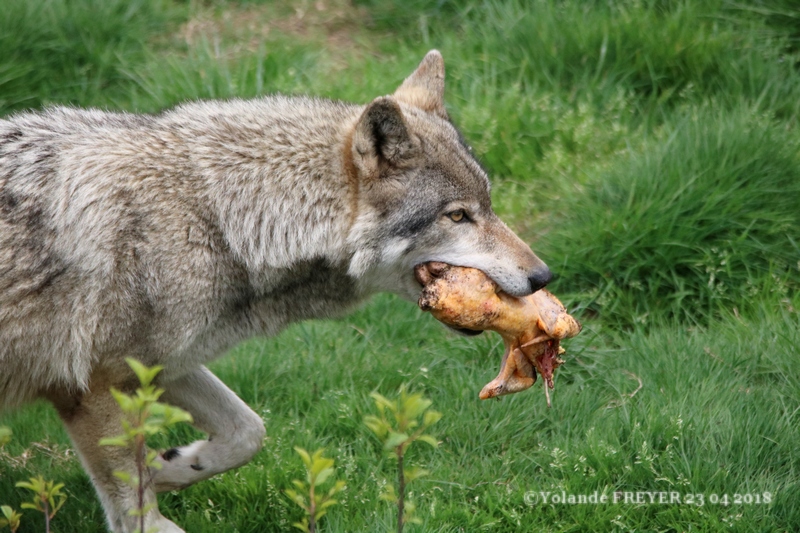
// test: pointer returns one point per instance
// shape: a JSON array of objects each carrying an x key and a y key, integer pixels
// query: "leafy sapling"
[
  {"x": 144, "y": 416},
  {"x": 309, "y": 495},
  {"x": 398, "y": 426},
  {"x": 47, "y": 498},
  {"x": 10, "y": 518}
]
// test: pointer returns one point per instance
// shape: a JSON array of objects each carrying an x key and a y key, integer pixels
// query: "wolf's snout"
[{"x": 540, "y": 278}]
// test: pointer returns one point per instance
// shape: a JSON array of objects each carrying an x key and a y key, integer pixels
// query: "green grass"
[
  {"x": 703, "y": 218},
  {"x": 72, "y": 52},
  {"x": 650, "y": 152}
]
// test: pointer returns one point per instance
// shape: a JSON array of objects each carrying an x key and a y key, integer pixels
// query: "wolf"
[{"x": 169, "y": 238}]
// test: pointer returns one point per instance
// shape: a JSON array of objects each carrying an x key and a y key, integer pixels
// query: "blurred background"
[{"x": 649, "y": 151}]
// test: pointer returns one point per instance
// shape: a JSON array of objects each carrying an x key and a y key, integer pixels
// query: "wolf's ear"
[
  {"x": 381, "y": 138},
  {"x": 425, "y": 87}
]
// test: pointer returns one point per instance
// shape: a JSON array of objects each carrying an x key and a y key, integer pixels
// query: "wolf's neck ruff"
[{"x": 273, "y": 170}]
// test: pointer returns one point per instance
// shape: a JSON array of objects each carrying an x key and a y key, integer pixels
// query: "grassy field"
[{"x": 650, "y": 152}]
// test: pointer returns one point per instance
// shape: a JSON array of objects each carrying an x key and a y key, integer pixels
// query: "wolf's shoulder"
[
  {"x": 263, "y": 105},
  {"x": 263, "y": 113}
]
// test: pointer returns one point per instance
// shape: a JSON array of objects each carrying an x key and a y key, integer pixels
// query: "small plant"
[
  {"x": 5, "y": 435},
  {"x": 145, "y": 416},
  {"x": 398, "y": 426},
  {"x": 11, "y": 518},
  {"x": 47, "y": 498},
  {"x": 318, "y": 470}
]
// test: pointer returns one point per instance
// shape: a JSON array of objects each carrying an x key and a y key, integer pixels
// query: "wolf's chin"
[{"x": 464, "y": 331}]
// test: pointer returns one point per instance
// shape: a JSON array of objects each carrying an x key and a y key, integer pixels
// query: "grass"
[
  {"x": 649, "y": 151},
  {"x": 703, "y": 219}
]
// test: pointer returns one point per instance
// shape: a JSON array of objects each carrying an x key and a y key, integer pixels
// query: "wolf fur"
[{"x": 171, "y": 237}]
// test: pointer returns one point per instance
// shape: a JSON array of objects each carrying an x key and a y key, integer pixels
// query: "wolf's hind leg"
[
  {"x": 88, "y": 419},
  {"x": 235, "y": 432}
]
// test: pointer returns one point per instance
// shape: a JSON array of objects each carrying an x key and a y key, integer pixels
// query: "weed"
[
  {"x": 11, "y": 518},
  {"x": 398, "y": 426},
  {"x": 47, "y": 498},
  {"x": 309, "y": 495}
]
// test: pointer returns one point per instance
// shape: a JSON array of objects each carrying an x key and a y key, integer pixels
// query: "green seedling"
[
  {"x": 398, "y": 425},
  {"x": 5, "y": 435},
  {"x": 47, "y": 498},
  {"x": 309, "y": 495},
  {"x": 10, "y": 518}
]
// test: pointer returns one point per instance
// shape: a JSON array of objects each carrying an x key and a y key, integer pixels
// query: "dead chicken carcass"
[{"x": 531, "y": 327}]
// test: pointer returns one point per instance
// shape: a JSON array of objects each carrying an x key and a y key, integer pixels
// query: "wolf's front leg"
[
  {"x": 94, "y": 416},
  {"x": 235, "y": 432}
]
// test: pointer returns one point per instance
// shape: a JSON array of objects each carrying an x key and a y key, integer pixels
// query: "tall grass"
[
  {"x": 206, "y": 71},
  {"x": 72, "y": 52},
  {"x": 666, "y": 52}
]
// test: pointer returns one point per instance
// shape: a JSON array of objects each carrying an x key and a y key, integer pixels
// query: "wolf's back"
[{"x": 132, "y": 235}]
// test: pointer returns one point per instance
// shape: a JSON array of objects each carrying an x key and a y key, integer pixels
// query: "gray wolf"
[{"x": 171, "y": 237}]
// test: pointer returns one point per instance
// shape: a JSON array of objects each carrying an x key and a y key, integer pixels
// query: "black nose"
[{"x": 540, "y": 278}]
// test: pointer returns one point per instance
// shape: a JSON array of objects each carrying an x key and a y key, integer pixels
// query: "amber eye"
[{"x": 457, "y": 216}]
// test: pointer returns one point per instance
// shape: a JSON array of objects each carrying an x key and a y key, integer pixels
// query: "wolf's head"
[{"x": 423, "y": 196}]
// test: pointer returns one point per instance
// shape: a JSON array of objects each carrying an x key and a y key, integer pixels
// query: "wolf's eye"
[{"x": 457, "y": 215}]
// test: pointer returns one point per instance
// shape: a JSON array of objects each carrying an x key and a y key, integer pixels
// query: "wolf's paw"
[{"x": 180, "y": 467}]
